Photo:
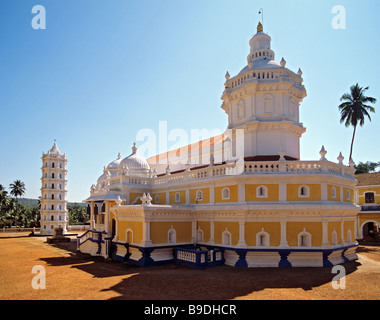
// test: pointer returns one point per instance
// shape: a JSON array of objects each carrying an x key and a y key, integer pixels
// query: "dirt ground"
[{"x": 71, "y": 275}]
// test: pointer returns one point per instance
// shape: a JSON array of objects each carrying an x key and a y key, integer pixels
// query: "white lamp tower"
[{"x": 53, "y": 210}]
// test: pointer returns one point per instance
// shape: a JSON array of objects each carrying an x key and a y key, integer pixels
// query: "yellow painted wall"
[
  {"x": 233, "y": 194},
  {"x": 182, "y": 199},
  {"x": 250, "y": 192},
  {"x": 253, "y": 228},
  {"x": 136, "y": 226},
  {"x": 337, "y": 193},
  {"x": 315, "y": 192},
  {"x": 294, "y": 228},
  {"x": 159, "y": 231},
  {"x": 232, "y": 227},
  {"x": 206, "y": 196},
  {"x": 205, "y": 226},
  {"x": 161, "y": 198},
  {"x": 375, "y": 190},
  {"x": 133, "y": 197}
]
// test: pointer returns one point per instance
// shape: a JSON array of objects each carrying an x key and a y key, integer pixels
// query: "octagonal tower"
[{"x": 53, "y": 210}]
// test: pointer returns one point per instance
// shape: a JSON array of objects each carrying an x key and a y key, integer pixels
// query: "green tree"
[
  {"x": 355, "y": 108},
  {"x": 366, "y": 167},
  {"x": 77, "y": 214},
  {"x": 17, "y": 188}
]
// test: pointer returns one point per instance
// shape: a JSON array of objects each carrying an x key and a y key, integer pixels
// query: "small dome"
[
  {"x": 135, "y": 163},
  {"x": 111, "y": 169},
  {"x": 114, "y": 165}
]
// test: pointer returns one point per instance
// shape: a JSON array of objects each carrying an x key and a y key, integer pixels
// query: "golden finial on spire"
[{"x": 260, "y": 27}]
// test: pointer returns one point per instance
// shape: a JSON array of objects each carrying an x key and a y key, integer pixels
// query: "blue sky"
[{"x": 103, "y": 70}]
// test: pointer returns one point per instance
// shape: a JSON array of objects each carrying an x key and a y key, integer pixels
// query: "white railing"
[
  {"x": 187, "y": 256},
  {"x": 249, "y": 167},
  {"x": 79, "y": 227}
]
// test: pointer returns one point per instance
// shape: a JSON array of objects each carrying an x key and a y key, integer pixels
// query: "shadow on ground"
[{"x": 172, "y": 282}]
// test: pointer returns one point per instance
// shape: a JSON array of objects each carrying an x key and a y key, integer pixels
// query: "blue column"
[
  {"x": 241, "y": 262},
  {"x": 284, "y": 262}
]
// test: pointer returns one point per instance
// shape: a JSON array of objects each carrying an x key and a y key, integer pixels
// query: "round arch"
[{"x": 362, "y": 230}]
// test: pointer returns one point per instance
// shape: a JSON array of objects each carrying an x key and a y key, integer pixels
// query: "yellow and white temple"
[{"x": 253, "y": 204}]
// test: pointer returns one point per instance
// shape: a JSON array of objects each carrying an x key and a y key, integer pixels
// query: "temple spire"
[{"x": 260, "y": 27}]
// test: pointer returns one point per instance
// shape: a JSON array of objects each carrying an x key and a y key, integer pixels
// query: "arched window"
[
  {"x": 304, "y": 239},
  {"x": 348, "y": 195},
  {"x": 226, "y": 238},
  {"x": 52, "y": 185},
  {"x": 262, "y": 192},
  {"x": 96, "y": 209},
  {"x": 52, "y": 196},
  {"x": 60, "y": 197},
  {"x": 52, "y": 218},
  {"x": 157, "y": 198},
  {"x": 369, "y": 197},
  {"x": 52, "y": 165},
  {"x": 88, "y": 209},
  {"x": 177, "y": 197},
  {"x": 225, "y": 193},
  {"x": 333, "y": 192},
  {"x": 52, "y": 175},
  {"x": 199, "y": 195},
  {"x": 52, "y": 207},
  {"x": 172, "y": 235},
  {"x": 262, "y": 239},
  {"x": 104, "y": 207},
  {"x": 303, "y": 192}
]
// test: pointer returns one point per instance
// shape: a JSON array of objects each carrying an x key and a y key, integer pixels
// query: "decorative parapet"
[{"x": 248, "y": 168}]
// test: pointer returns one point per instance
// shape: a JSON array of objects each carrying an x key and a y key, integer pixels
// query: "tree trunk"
[{"x": 352, "y": 144}]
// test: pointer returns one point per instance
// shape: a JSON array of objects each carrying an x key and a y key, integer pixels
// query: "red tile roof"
[{"x": 368, "y": 179}]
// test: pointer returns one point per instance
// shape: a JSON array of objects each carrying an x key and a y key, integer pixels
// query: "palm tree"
[
  {"x": 354, "y": 109},
  {"x": 17, "y": 188}
]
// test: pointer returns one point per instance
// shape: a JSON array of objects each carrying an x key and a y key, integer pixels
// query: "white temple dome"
[
  {"x": 111, "y": 169},
  {"x": 114, "y": 165},
  {"x": 134, "y": 162}
]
